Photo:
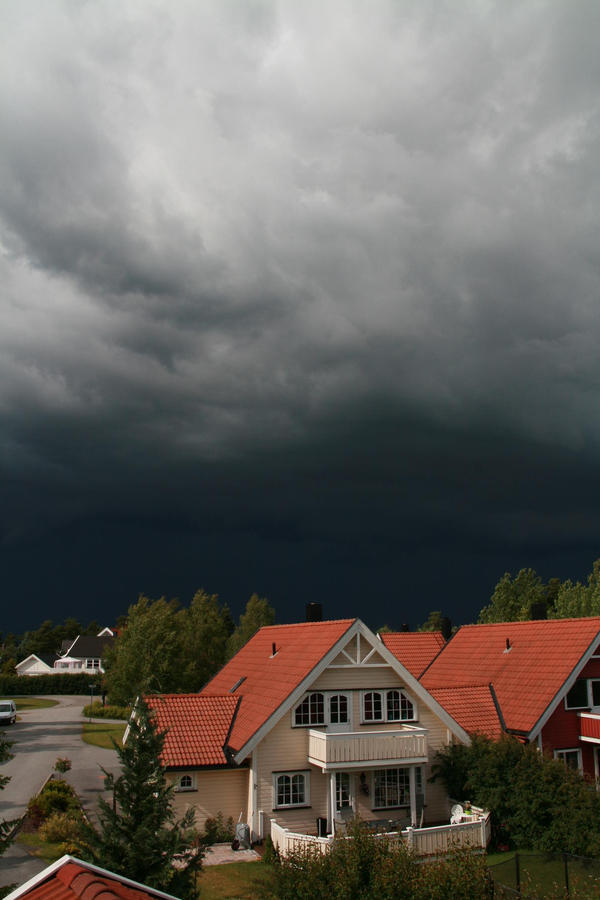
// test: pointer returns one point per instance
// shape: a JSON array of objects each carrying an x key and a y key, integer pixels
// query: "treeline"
[
  {"x": 526, "y": 596},
  {"x": 166, "y": 648}
]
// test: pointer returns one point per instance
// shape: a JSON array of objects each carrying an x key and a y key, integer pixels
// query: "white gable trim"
[
  {"x": 33, "y": 656},
  {"x": 564, "y": 690},
  {"x": 357, "y": 629}
]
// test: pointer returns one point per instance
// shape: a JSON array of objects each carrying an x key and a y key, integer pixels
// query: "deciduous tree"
[{"x": 259, "y": 612}]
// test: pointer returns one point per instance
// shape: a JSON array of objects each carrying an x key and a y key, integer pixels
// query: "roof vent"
[
  {"x": 508, "y": 646},
  {"x": 274, "y": 648},
  {"x": 237, "y": 684},
  {"x": 405, "y": 627}
]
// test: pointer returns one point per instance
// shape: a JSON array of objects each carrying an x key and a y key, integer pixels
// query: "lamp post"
[{"x": 92, "y": 689}]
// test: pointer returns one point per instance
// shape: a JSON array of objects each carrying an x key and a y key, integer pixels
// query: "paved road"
[{"x": 39, "y": 738}]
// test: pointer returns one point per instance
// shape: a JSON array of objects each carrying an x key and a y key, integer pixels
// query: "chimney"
[
  {"x": 446, "y": 628},
  {"x": 274, "y": 648},
  {"x": 405, "y": 627},
  {"x": 314, "y": 612}
]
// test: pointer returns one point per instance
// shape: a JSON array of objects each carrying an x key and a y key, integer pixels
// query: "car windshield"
[{"x": 5, "y": 707}]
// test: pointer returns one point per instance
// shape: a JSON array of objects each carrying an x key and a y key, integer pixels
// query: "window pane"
[
  {"x": 577, "y": 697},
  {"x": 393, "y": 706},
  {"x": 317, "y": 709},
  {"x": 298, "y": 789},
  {"x": 283, "y": 790},
  {"x": 373, "y": 707},
  {"x": 407, "y": 709},
  {"x": 302, "y": 713},
  {"x": 338, "y": 709},
  {"x": 392, "y": 788},
  {"x": 596, "y": 693}
]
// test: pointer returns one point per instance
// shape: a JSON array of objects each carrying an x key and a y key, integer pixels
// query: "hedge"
[{"x": 69, "y": 683}]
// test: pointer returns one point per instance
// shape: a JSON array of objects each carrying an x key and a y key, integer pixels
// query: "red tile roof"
[
  {"x": 414, "y": 649},
  {"x": 75, "y": 880},
  {"x": 526, "y": 678},
  {"x": 472, "y": 707},
  {"x": 269, "y": 679},
  {"x": 196, "y": 726}
]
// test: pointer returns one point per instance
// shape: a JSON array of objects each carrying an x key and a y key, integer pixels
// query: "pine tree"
[{"x": 137, "y": 834}]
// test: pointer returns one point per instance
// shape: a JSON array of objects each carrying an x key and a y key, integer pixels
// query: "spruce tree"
[{"x": 137, "y": 834}]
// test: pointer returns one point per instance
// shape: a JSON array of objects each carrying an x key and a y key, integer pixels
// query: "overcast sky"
[{"x": 297, "y": 298}]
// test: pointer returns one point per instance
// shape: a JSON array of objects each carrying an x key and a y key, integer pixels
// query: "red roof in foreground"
[
  {"x": 269, "y": 679},
  {"x": 526, "y": 678},
  {"x": 76, "y": 880},
  {"x": 197, "y": 727},
  {"x": 414, "y": 649}
]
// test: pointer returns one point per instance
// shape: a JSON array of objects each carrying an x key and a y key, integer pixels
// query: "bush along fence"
[
  {"x": 73, "y": 683},
  {"x": 530, "y": 876}
]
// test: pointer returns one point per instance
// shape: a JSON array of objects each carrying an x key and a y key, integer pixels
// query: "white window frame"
[
  {"x": 406, "y": 787},
  {"x": 562, "y": 753},
  {"x": 589, "y": 682},
  {"x": 190, "y": 782},
  {"x": 327, "y": 695},
  {"x": 305, "y": 774},
  {"x": 383, "y": 693}
]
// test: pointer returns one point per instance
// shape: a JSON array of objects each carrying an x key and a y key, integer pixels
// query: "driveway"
[{"x": 39, "y": 738}]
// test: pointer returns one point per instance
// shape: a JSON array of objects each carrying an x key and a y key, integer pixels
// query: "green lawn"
[
  {"x": 37, "y": 847},
  {"x": 543, "y": 876},
  {"x": 32, "y": 702},
  {"x": 100, "y": 733},
  {"x": 233, "y": 881}
]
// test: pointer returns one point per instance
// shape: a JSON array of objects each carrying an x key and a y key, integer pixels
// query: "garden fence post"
[{"x": 566, "y": 862}]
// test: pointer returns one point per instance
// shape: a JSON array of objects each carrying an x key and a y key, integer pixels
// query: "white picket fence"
[{"x": 435, "y": 841}]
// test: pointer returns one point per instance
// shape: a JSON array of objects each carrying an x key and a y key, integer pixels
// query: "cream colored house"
[{"x": 308, "y": 725}]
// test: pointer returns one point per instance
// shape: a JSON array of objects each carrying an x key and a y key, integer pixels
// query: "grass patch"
[
  {"x": 242, "y": 880},
  {"x": 32, "y": 702},
  {"x": 37, "y": 847},
  {"x": 101, "y": 734},
  {"x": 544, "y": 876}
]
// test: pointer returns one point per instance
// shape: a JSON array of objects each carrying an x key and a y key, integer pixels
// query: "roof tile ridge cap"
[
  {"x": 460, "y": 687},
  {"x": 69, "y": 871},
  {"x": 305, "y": 624},
  {"x": 93, "y": 885}
]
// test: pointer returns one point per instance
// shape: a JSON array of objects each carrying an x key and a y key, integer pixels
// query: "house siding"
[
  {"x": 217, "y": 790},
  {"x": 562, "y": 730}
]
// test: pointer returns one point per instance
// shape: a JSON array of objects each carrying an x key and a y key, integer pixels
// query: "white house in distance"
[{"x": 84, "y": 653}]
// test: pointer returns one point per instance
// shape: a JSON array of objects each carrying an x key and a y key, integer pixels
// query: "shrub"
[
  {"x": 55, "y": 796},
  {"x": 61, "y": 827},
  {"x": 371, "y": 867},
  {"x": 68, "y": 683},
  {"x": 97, "y": 711},
  {"x": 62, "y": 764},
  {"x": 219, "y": 831}
]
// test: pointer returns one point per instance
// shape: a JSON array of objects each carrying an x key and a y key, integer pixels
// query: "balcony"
[
  {"x": 348, "y": 749},
  {"x": 589, "y": 727}
]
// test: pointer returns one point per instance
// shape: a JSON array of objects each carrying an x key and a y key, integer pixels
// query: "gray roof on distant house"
[{"x": 87, "y": 646}]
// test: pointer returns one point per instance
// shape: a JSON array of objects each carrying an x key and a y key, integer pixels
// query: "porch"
[{"x": 431, "y": 841}]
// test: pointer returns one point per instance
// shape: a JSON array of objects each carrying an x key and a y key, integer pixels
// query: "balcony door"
[
  {"x": 339, "y": 712},
  {"x": 344, "y": 793}
]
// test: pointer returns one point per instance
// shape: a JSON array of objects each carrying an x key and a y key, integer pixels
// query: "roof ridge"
[
  {"x": 459, "y": 687},
  {"x": 304, "y": 624},
  {"x": 527, "y": 622}
]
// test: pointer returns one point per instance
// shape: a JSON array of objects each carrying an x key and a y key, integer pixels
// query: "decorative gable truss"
[{"x": 359, "y": 651}]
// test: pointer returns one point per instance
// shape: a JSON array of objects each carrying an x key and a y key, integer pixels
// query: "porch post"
[
  {"x": 331, "y": 803},
  {"x": 413, "y": 796}
]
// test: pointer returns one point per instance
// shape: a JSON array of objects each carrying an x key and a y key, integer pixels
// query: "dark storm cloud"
[{"x": 329, "y": 273}]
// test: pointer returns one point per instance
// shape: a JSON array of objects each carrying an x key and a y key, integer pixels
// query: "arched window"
[
  {"x": 185, "y": 783},
  {"x": 373, "y": 706},
  {"x": 311, "y": 711},
  {"x": 291, "y": 789}
]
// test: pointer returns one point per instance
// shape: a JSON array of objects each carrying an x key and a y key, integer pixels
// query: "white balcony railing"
[{"x": 330, "y": 750}]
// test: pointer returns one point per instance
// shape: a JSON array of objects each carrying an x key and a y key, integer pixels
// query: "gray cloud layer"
[{"x": 237, "y": 234}]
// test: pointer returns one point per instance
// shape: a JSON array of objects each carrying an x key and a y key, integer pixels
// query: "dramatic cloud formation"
[{"x": 297, "y": 297}]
